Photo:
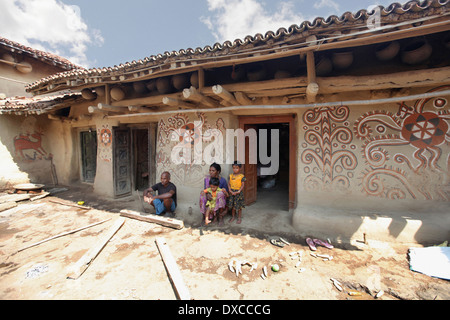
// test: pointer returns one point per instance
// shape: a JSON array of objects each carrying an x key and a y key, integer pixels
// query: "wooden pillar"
[
  {"x": 107, "y": 95},
  {"x": 313, "y": 88}
]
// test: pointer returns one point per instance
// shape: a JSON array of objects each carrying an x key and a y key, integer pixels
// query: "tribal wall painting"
[
  {"x": 192, "y": 131},
  {"x": 328, "y": 151},
  {"x": 407, "y": 152},
  {"x": 104, "y": 138},
  {"x": 398, "y": 151}
]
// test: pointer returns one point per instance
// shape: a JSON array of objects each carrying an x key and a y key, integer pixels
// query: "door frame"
[{"x": 291, "y": 120}]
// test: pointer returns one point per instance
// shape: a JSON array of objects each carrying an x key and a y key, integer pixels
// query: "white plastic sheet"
[{"x": 432, "y": 261}]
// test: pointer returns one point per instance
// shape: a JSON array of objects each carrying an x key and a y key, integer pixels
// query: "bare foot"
[
  {"x": 231, "y": 220},
  {"x": 238, "y": 221}
]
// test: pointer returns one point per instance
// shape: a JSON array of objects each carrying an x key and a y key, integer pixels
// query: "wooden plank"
[
  {"x": 167, "y": 222},
  {"x": 70, "y": 204},
  {"x": 62, "y": 234},
  {"x": 14, "y": 197},
  {"x": 80, "y": 267},
  {"x": 181, "y": 291},
  {"x": 7, "y": 205}
]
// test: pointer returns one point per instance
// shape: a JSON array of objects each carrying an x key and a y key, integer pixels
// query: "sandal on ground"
[
  {"x": 311, "y": 244},
  {"x": 277, "y": 243},
  {"x": 323, "y": 244}
]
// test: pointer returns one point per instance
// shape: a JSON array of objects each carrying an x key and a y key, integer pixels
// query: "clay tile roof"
[
  {"x": 393, "y": 13},
  {"x": 43, "y": 56},
  {"x": 36, "y": 105}
]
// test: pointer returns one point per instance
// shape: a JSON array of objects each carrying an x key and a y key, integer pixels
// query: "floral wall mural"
[
  {"x": 395, "y": 152},
  {"x": 170, "y": 134}
]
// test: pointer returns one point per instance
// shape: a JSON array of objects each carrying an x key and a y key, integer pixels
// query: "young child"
[
  {"x": 211, "y": 196},
  {"x": 236, "y": 187}
]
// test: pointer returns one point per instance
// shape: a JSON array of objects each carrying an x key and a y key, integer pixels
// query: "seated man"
[{"x": 166, "y": 200}]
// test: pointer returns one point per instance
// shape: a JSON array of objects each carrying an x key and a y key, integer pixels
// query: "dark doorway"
[{"x": 277, "y": 190}]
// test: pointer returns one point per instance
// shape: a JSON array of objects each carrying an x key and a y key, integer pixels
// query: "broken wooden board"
[
  {"x": 14, "y": 197},
  {"x": 7, "y": 205},
  {"x": 80, "y": 267},
  {"x": 168, "y": 222},
  {"x": 70, "y": 204},
  {"x": 39, "y": 196},
  {"x": 181, "y": 291},
  {"x": 63, "y": 234}
]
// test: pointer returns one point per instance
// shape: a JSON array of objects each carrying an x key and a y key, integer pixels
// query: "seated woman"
[{"x": 221, "y": 199}]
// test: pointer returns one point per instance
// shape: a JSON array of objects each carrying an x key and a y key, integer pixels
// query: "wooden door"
[
  {"x": 141, "y": 155},
  {"x": 88, "y": 155},
  {"x": 250, "y": 172},
  {"x": 122, "y": 162}
]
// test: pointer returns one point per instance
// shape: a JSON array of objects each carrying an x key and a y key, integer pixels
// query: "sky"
[{"x": 100, "y": 33}]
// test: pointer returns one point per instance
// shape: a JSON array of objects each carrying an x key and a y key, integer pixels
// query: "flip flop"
[
  {"x": 277, "y": 243},
  {"x": 311, "y": 244},
  {"x": 323, "y": 244}
]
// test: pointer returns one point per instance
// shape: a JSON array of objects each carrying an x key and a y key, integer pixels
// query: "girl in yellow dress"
[{"x": 236, "y": 187}]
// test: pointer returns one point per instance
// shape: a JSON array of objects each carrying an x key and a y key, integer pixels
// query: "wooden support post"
[
  {"x": 80, "y": 267},
  {"x": 181, "y": 291},
  {"x": 168, "y": 222},
  {"x": 313, "y": 88},
  {"x": 201, "y": 78},
  {"x": 107, "y": 95},
  {"x": 192, "y": 94},
  {"x": 225, "y": 95}
]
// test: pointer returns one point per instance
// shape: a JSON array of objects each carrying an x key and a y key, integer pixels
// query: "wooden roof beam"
[
  {"x": 225, "y": 95},
  {"x": 173, "y": 102},
  {"x": 192, "y": 94}
]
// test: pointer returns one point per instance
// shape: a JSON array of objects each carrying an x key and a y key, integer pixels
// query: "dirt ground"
[{"x": 130, "y": 265}]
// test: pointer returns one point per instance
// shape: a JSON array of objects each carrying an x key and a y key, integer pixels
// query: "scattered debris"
[
  {"x": 337, "y": 284},
  {"x": 379, "y": 294},
  {"x": 324, "y": 257},
  {"x": 264, "y": 272},
  {"x": 235, "y": 266},
  {"x": 354, "y": 293},
  {"x": 36, "y": 271},
  {"x": 277, "y": 243}
]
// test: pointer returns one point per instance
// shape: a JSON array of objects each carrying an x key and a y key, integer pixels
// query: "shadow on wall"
[{"x": 363, "y": 219}]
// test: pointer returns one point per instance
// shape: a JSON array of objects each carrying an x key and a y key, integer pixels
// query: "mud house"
[
  {"x": 23, "y": 148},
  {"x": 359, "y": 102}
]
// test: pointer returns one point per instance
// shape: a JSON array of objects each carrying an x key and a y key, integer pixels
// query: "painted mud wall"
[
  {"x": 189, "y": 177},
  {"x": 379, "y": 170},
  {"x": 34, "y": 149}
]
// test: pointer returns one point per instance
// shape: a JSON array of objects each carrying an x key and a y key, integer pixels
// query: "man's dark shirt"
[{"x": 161, "y": 190}]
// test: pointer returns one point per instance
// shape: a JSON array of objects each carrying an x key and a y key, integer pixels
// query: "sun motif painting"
[{"x": 421, "y": 170}]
